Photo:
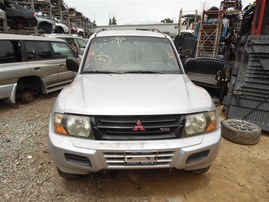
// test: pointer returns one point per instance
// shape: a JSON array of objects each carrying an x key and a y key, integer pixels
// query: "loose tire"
[
  {"x": 68, "y": 176},
  {"x": 241, "y": 132}
]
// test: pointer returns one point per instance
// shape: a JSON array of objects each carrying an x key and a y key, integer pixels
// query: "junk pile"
[{"x": 248, "y": 96}]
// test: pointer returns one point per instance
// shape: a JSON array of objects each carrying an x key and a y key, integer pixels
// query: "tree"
[
  {"x": 94, "y": 23},
  {"x": 114, "y": 21},
  {"x": 167, "y": 20}
]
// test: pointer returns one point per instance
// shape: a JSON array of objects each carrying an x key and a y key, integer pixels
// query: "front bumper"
[
  {"x": 81, "y": 156},
  {"x": 8, "y": 92}
]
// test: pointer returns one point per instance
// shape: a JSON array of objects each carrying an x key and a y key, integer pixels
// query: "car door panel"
[
  {"x": 61, "y": 52},
  {"x": 41, "y": 63}
]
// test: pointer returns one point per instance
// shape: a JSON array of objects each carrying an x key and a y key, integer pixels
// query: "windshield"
[{"x": 131, "y": 55}]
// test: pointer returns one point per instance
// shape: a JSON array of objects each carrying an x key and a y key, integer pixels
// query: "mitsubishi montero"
[{"x": 131, "y": 106}]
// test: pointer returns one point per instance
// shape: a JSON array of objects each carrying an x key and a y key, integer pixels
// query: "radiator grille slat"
[
  {"x": 117, "y": 159},
  {"x": 138, "y": 127}
]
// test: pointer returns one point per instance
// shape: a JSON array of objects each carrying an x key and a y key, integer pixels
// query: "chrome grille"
[{"x": 118, "y": 159}]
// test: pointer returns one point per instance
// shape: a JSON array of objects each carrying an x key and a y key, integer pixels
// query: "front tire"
[
  {"x": 59, "y": 30},
  {"x": 68, "y": 176},
  {"x": 45, "y": 28},
  {"x": 199, "y": 171}
]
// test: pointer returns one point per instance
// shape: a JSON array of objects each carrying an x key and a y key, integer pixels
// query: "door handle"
[
  {"x": 37, "y": 68},
  {"x": 61, "y": 65}
]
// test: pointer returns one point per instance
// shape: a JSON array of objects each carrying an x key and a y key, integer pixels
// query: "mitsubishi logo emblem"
[{"x": 138, "y": 126}]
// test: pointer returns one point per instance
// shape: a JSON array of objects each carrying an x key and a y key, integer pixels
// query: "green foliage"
[
  {"x": 167, "y": 20},
  {"x": 112, "y": 21}
]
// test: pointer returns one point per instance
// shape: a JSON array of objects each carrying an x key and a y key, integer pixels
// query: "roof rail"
[
  {"x": 149, "y": 29},
  {"x": 100, "y": 30}
]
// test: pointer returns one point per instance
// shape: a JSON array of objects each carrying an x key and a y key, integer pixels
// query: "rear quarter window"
[{"x": 62, "y": 50}]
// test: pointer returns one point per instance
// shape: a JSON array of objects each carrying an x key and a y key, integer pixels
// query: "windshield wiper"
[
  {"x": 143, "y": 72},
  {"x": 102, "y": 72}
]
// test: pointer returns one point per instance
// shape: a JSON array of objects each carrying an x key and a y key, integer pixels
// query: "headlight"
[
  {"x": 73, "y": 125},
  {"x": 200, "y": 123}
]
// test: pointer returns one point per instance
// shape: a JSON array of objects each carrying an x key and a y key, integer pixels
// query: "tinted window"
[
  {"x": 7, "y": 54},
  {"x": 38, "y": 50},
  {"x": 62, "y": 50}
]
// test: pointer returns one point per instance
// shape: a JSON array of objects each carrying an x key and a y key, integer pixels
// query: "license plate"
[{"x": 140, "y": 160}]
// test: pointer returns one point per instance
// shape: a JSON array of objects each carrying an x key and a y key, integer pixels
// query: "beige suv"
[{"x": 30, "y": 65}]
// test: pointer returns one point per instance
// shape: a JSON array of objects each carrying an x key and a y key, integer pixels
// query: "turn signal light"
[
  {"x": 212, "y": 126},
  {"x": 59, "y": 129}
]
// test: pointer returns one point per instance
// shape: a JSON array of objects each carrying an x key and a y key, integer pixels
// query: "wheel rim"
[
  {"x": 241, "y": 125},
  {"x": 27, "y": 97}
]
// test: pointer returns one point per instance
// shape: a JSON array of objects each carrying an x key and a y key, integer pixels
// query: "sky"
[{"x": 139, "y": 11}]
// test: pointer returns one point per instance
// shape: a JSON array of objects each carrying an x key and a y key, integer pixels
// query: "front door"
[{"x": 61, "y": 52}]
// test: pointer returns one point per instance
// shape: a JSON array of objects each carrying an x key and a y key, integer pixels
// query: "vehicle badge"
[{"x": 139, "y": 126}]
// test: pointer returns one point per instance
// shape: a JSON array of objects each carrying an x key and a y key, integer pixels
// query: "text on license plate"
[{"x": 140, "y": 160}]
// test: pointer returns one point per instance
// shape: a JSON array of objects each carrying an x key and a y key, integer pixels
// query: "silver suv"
[
  {"x": 131, "y": 106},
  {"x": 30, "y": 65}
]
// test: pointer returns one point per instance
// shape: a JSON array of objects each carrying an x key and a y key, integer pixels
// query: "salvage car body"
[
  {"x": 79, "y": 44},
  {"x": 45, "y": 25},
  {"x": 136, "y": 119},
  {"x": 32, "y": 63},
  {"x": 18, "y": 16}
]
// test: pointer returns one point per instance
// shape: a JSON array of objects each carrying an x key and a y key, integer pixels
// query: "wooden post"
[
  {"x": 195, "y": 21},
  {"x": 33, "y": 9},
  {"x": 60, "y": 10},
  {"x": 179, "y": 22},
  {"x": 69, "y": 21},
  {"x": 50, "y": 10}
]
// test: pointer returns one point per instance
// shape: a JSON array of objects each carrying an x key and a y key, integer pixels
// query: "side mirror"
[
  {"x": 82, "y": 51},
  {"x": 72, "y": 64}
]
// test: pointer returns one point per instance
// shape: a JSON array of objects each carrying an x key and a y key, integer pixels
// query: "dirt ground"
[{"x": 240, "y": 173}]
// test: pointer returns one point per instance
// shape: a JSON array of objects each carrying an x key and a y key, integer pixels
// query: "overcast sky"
[{"x": 139, "y": 11}]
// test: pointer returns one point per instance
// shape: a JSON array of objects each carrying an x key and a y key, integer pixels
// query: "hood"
[{"x": 133, "y": 94}]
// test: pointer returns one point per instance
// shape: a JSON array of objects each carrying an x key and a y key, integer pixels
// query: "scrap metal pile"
[
  {"x": 248, "y": 97},
  {"x": 244, "y": 86},
  {"x": 48, "y": 11}
]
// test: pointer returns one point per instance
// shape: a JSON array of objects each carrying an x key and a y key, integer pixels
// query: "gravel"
[{"x": 24, "y": 158}]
